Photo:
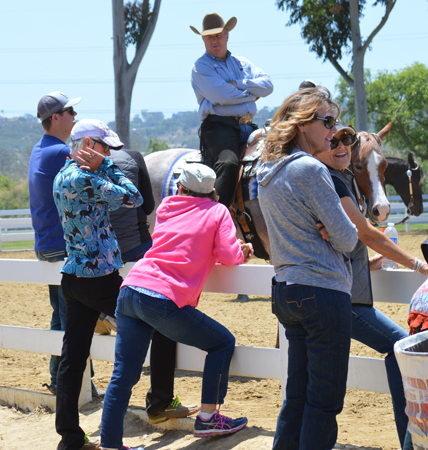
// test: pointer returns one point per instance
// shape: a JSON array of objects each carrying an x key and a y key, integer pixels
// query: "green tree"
[
  {"x": 400, "y": 96},
  {"x": 13, "y": 195},
  {"x": 156, "y": 145},
  {"x": 331, "y": 27}
]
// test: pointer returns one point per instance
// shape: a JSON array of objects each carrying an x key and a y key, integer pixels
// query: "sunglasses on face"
[
  {"x": 106, "y": 147},
  {"x": 347, "y": 140},
  {"x": 329, "y": 121},
  {"x": 69, "y": 110}
]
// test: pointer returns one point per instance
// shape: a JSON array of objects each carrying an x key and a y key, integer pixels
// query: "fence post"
[
  {"x": 86, "y": 391},
  {"x": 0, "y": 235}
]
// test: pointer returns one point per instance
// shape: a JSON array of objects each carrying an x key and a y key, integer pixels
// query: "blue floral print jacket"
[{"x": 83, "y": 200}]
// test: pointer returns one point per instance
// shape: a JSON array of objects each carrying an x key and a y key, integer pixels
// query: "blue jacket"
[
  {"x": 83, "y": 200},
  {"x": 47, "y": 158}
]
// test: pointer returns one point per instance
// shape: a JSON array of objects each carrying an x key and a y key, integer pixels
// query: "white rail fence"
[
  {"x": 364, "y": 373},
  {"x": 17, "y": 228},
  {"x": 20, "y": 228}
]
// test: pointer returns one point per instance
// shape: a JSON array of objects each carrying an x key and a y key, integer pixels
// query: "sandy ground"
[{"x": 366, "y": 422}]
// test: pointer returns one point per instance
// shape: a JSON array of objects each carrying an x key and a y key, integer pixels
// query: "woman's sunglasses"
[
  {"x": 347, "y": 140},
  {"x": 106, "y": 147},
  {"x": 329, "y": 121}
]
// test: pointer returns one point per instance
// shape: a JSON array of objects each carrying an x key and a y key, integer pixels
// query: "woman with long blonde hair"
[{"x": 312, "y": 285}]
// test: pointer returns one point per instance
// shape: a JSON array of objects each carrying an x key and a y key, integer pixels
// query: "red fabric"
[{"x": 417, "y": 319}]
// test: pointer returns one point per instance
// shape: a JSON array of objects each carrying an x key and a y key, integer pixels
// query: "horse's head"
[
  {"x": 368, "y": 164},
  {"x": 416, "y": 176}
]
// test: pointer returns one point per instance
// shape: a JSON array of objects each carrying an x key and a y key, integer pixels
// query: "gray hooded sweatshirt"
[{"x": 296, "y": 193}]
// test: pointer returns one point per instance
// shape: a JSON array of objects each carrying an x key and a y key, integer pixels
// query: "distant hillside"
[{"x": 19, "y": 135}]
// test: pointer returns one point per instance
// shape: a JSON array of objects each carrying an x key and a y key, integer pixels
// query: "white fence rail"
[
  {"x": 20, "y": 228},
  {"x": 388, "y": 286},
  {"x": 15, "y": 229}
]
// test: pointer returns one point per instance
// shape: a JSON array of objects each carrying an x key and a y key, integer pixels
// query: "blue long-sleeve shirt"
[
  {"x": 210, "y": 81},
  {"x": 83, "y": 200}
]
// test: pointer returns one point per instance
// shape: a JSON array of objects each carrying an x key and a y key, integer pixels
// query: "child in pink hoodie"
[{"x": 193, "y": 232}]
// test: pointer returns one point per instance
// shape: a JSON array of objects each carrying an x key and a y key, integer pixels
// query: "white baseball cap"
[
  {"x": 96, "y": 128},
  {"x": 197, "y": 178}
]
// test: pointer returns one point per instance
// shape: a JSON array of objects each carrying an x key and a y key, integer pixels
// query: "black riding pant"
[
  {"x": 220, "y": 138},
  {"x": 86, "y": 298}
]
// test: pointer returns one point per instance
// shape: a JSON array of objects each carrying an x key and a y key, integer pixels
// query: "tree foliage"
[
  {"x": 332, "y": 29},
  {"x": 400, "y": 96},
  {"x": 13, "y": 195},
  {"x": 156, "y": 145},
  {"x": 137, "y": 16}
]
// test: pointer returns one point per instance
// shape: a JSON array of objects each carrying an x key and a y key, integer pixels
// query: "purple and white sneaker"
[{"x": 218, "y": 425}]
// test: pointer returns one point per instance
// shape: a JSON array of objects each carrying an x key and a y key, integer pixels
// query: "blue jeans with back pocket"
[
  {"x": 137, "y": 316},
  {"x": 318, "y": 328}
]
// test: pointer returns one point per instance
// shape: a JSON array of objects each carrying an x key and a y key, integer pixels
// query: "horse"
[
  {"x": 367, "y": 159},
  {"x": 406, "y": 177}
]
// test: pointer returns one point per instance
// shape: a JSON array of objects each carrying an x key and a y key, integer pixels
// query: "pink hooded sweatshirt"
[{"x": 191, "y": 235}]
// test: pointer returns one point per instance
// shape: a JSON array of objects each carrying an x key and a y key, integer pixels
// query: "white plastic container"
[
  {"x": 392, "y": 233},
  {"x": 412, "y": 357}
]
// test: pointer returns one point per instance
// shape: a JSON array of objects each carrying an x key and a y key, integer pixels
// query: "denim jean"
[
  {"x": 86, "y": 299},
  {"x": 162, "y": 355},
  {"x": 137, "y": 315},
  {"x": 57, "y": 302},
  {"x": 318, "y": 328},
  {"x": 377, "y": 331}
]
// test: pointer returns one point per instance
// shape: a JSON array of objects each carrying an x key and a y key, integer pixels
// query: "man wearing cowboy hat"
[
  {"x": 226, "y": 88},
  {"x": 85, "y": 190}
]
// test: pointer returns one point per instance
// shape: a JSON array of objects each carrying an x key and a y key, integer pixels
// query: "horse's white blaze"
[{"x": 380, "y": 201}]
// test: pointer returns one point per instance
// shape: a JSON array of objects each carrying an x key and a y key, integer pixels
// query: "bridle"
[{"x": 410, "y": 205}]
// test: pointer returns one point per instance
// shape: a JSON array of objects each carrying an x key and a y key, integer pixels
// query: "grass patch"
[{"x": 17, "y": 245}]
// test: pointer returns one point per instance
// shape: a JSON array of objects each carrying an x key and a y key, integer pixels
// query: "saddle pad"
[{"x": 174, "y": 172}]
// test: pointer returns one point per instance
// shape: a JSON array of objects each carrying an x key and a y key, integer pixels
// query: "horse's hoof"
[{"x": 243, "y": 298}]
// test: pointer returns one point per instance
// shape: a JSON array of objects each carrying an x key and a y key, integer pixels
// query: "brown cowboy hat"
[{"x": 214, "y": 24}]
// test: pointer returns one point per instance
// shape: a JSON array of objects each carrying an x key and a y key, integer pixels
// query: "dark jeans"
[
  {"x": 222, "y": 137},
  {"x": 318, "y": 328},
  {"x": 57, "y": 302},
  {"x": 86, "y": 298},
  {"x": 374, "y": 329},
  {"x": 162, "y": 355},
  {"x": 137, "y": 315}
]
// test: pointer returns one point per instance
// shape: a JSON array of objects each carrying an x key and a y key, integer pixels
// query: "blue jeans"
[
  {"x": 137, "y": 315},
  {"x": 59, "y": 308},
  {"x": 58, "y": 304},
  {"x": 377, "y": 331},
  {"x": 318, "y": 328},
  {"x": 137, "y": 252}
]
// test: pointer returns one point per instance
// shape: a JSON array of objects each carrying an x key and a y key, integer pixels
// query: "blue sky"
[{"x": 67, "y": 46}]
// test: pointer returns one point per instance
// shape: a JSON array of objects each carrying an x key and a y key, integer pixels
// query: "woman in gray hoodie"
[{"x": 312, "y": 285}]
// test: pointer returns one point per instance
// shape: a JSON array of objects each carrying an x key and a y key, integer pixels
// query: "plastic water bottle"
[{"x": 392, "y": 233}]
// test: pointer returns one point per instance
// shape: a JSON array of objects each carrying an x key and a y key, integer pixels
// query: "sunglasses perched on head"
[
  {"x": 347, "y": 140},
  {"x": 329, "y": 121}
]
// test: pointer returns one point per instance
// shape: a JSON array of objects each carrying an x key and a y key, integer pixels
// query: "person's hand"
[
  {"x": 89, "y": 159},
  {"x": 375, "y": 262},
  {"x": 247, "y": 250},
  {"x": 233, "y": 83},
  {"x": 323, "y": 232},
  {"x": 424, "y": 269}
]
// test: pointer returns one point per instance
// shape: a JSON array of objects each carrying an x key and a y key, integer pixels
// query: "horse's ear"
[
  {"x": 411, "y": 159},
  {"x": 384, "y": 132}
]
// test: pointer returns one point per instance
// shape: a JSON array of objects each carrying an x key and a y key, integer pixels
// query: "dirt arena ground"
[{"x": 366, "y": 422}]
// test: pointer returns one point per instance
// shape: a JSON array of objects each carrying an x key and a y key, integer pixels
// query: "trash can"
[{"x": 412, "y": 358}]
